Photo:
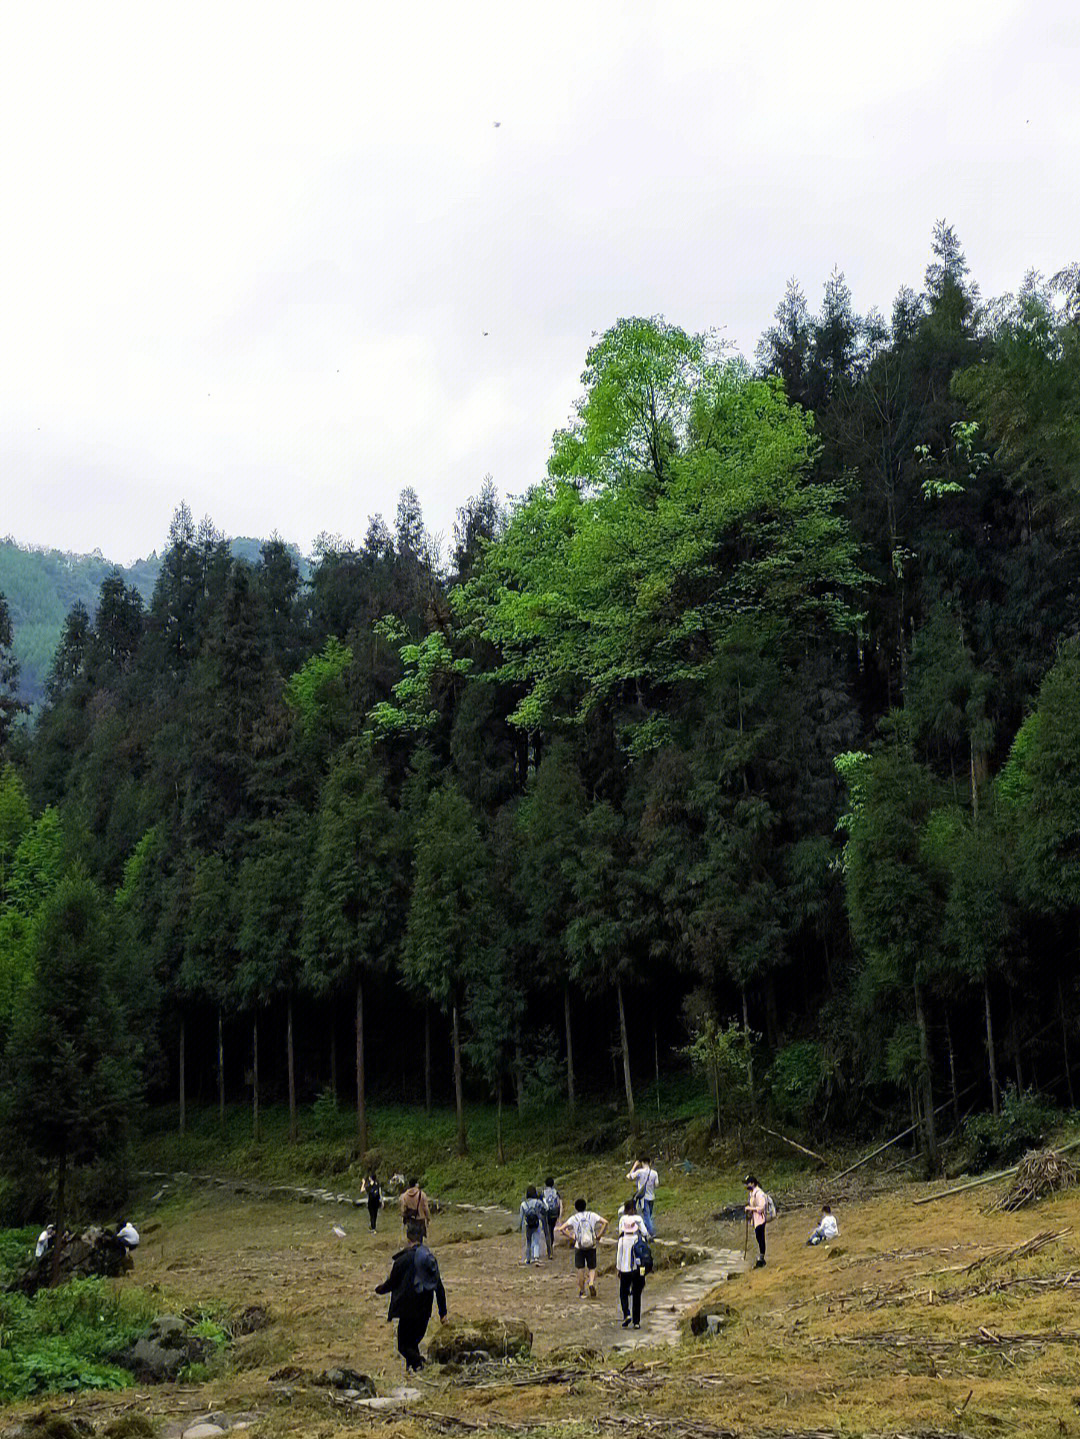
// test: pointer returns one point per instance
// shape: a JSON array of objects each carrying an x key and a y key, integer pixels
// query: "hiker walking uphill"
[
  {"x": 531, "y": 1224},
  {"x": 552, "y": 1212},
  {"x": 759, "y": 1210},
  {"x": 633, "y": 1261},
  {"x": 414, "y": 1284},
  {"x": 586, "y": 1229},
  {"x": 415, "y": 1208},
  {"x": 374, "y": 1199},
  {"x": 647, "y": 1180}
]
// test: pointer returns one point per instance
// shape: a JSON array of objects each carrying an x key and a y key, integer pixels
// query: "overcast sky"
[{"x": 249, "y": 253}]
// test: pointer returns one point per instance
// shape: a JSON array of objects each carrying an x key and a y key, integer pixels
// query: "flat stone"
[
  {"x": 393, "y": 1400},
  {"x": 203, "y": 1431}
]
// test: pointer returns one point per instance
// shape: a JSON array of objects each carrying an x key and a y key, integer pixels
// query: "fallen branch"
[
  {"x": 785, "y": 1140},
  {"x": 988, "y": 1178}
]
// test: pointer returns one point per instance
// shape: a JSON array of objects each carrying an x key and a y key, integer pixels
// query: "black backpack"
[
  {"x": 532, "y": 1216},
  {"x": 641, "y": 1255}
]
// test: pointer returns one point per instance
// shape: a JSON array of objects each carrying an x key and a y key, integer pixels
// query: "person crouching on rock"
[
  {"x": 413, "y": 1284},
  {"x": 127, "y": 1236}
]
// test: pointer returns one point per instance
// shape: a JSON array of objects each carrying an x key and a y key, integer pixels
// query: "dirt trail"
[{"x": 240, "y": 1250}]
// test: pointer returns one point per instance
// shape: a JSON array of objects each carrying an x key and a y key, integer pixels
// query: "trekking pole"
[{"x": 746, "y": 1240}]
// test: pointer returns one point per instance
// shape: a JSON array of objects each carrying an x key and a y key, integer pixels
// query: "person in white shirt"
[
  {"x": 827, "y": 1227},
  {"x": 127, "y": 1235},
  {"x": 45, "y": 1239},
  {"x": 631, "y": 1275},
  {"x": 586, "y": 1229},
  {"x": 646, "y": 1179}
]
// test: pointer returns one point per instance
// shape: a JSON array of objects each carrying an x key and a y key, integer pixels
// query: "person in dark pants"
[
  {"x": 374, "y": 1199},
  {"x": 413, "y": 1284},
  {"x": 756, "y": 1211},
  {"x": 631, "y": 1275}
]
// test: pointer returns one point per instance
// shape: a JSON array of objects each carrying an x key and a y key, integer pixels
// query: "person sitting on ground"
[
  {"x": 413, "y": 1284},
  {"x": 531, "y": 1223},
  {"x": 647, "y": 1180},
  {"x": 127, "y": 1236},
  {"x": 414, "y": 1207},
  {"x": 586, "y": 1229},
  {"x": 631, "y": 1274},
  {"x": 45, "y": 1240},
  {"x": 552, "y": 1212},
  {"x": 827, "y": 1227},
  {"x": 757, "y": 1204}
]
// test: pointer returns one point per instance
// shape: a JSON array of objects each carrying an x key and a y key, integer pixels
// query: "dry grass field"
[{"x": 939, "y": 1319}]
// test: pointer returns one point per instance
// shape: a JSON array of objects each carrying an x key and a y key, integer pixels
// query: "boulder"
[
  {"x": 94, "y": 1254},
  {"x": 463, "y": 1340},
  {"x": 159, "y": 1354},
  {"x": 346, "y": 1379},
  {"x": 711, "y": 1319}
]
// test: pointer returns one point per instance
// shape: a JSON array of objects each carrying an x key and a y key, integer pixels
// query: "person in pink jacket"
[{"x": 756, "y": 1205}]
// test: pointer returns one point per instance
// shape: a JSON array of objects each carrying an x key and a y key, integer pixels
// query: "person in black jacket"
[
  {"x": 374, "y": 1198},
  {"x": 413, "y": 1284}
]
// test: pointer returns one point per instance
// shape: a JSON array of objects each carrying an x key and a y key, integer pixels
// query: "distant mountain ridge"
[{"x": 41, "y": 585}]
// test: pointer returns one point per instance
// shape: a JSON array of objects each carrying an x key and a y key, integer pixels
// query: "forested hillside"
[
  {"x": 753, "y": 730},
  {"x": 43, "y": 586}
]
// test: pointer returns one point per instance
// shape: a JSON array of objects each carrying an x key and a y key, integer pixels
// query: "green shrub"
[
  {"x": 65, "y": 1338},
  {"x": 796, "y": 1081},
  {"x": 1024, "y": 1122}
]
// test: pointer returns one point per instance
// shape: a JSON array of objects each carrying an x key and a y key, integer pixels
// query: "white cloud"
[{"x": 249, "y": 253}]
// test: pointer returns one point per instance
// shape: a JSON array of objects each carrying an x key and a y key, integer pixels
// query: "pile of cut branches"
[{"x": 1040, "y": 1173}]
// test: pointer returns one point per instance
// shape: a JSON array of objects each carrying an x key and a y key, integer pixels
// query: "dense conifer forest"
[{"x": 748, "y": 739}]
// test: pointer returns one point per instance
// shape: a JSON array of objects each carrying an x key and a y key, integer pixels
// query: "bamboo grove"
[{"x": 750, "y": 734}]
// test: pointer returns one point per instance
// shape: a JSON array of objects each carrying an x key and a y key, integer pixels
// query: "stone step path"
[{"x": 660, "y": 1324}]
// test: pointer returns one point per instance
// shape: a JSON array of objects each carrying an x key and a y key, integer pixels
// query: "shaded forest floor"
[{"x": 918, "y": 1320}]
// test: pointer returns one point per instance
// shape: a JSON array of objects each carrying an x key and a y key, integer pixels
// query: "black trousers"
[
  {"x": 759, "y": 1235},
  {"x": 410, "y": 1330},
  {"x": 373, "y": 1214},
  {"x": 630, "y": 1289}
]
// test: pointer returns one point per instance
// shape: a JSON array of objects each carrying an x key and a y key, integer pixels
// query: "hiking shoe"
[
  {"x": 626, "y": 1322},
  {"x": 592, "y": 1291},
  {"x": 637, "y": 1326},
  {"x": 760, "y": 1264}
]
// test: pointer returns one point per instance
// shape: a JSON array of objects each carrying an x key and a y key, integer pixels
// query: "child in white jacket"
[{"x": 827, "y": 1227}]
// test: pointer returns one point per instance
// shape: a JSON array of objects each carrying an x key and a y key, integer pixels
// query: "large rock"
[
  {"x": 92, "y": 1254},
  {"x": 462, "y": 1340},
  {"x": 163, "y": 1350}
]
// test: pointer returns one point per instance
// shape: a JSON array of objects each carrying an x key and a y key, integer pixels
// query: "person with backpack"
[
  {"x": 586, "y": 1229},
  {"x": 759, "y": 1211},
  {"x": 374, "y": 1199},
  {"x": 414, "y": 1284},
  {"x": 414, "y": 1207},
  {"x": 552, "y": 1212},
  {"x": 531, "y": 1224},
  {"x": 647, "y": 1180},
  {"x": 633, "y": 1261}
]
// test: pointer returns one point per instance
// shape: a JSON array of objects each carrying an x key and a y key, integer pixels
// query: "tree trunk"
[
  {"x": 333, "y": 1061},
  {"x": 716, "y": 1096},
  {"x": 500, "y": 1156},
  {"x": 290, "y": 1061},
  {"x": 61, "y": 1218},
  {"x": 749, "y": 1058},
  {"x": 624, "y": 1044},
  {"x": 427, "y": 1060},
  {"x": 221, "y": 1066},
  {"x": 1065, "y": 1044},
  {"x": 570, "y": 1097},
  {"x": 952, "y": 1072},
  {"x": 183, "y": 1081},
  {"x": 1014, "y": 1040},
  {"x": 519, "y": 1074},
  {"x": 772, "y": 1023},
  {"x": 459, "y": 1098},
  {"x": 361, "y": 1097},
  {"x": 656, "y": 1062},
  {"x": 991, "y": 1053},
  {"x": 926, "y": 1088},
  {"x": 255, "y": 1078}
]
